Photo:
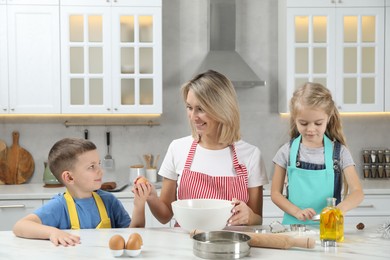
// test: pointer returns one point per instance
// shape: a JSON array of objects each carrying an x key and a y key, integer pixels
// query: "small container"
[
  {"x": 136, "y": 171},
  {"x": 380, "y": 156},
  {"x": 366, "y": 156},
  {"x": 373, "y": 156},
  {"x": 387, "y": 170},
  {"x": 367, "y": 170},
  {"x": 387, "y": 155},
  {"x": 381, "y": 172},
  {"x": 331, "y": 224},
  {"x": 374, "y": 171},
  {"x": 151, "y": 174}
]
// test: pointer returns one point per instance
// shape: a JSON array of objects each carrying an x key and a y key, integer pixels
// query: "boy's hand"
[
  {"x": 142, "y": 191},
  {"x": 60, "y": 237}
]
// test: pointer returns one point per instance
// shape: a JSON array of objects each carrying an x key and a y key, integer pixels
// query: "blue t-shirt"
[{"x": 55, "y": 212}]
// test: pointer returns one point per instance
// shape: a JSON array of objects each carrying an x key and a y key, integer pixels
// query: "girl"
[{"x": 310, "y": 159}]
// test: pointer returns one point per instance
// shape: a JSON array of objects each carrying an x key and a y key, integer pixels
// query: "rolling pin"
[{"x": 277, "y": 241}]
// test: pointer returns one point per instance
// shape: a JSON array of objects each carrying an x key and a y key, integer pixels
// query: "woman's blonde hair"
[
  {"x": 218, "y": 99},
  {"x": 315, "y": 95}
]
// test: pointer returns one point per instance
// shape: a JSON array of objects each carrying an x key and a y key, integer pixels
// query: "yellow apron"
[{"x": 74, "y": 218}]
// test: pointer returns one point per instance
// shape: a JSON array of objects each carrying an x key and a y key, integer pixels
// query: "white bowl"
[{"x": 202, "y": 214}]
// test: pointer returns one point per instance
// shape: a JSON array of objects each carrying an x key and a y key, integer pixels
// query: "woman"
[{"x": 213, "y": 162}]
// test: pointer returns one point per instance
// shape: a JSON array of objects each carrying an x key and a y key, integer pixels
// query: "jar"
[{"x": 331, "y": 224}]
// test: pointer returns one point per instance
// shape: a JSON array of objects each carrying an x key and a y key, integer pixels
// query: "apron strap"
[
  {"x": 73, "y": 216},
  {"x": 294, "y": 151},
  {"x": 190, "y": 155},
  {"x": 101, "y": 207}
]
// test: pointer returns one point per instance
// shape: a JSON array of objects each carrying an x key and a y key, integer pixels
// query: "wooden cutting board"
[
  {"x": 3, "y": 160},
  {"x": 18, "y": 167}
]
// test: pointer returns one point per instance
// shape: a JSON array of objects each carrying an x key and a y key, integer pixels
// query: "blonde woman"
[
  {"x": 316, "y": 160},
  {"x": 213, "y": 162}
]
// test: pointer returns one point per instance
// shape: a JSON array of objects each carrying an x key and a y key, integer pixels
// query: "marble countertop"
[{"x": 175, "y": 243}]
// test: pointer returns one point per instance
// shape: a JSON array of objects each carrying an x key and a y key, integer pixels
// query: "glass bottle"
[{"x": 331, "y": 224}]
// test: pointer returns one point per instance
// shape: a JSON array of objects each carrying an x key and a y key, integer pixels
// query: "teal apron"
[{"x": 309, "y": 188}]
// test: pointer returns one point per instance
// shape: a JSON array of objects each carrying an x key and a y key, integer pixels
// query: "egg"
[
  {"x": 117, "y": 242},
  {"x": 141, "y": 179},
  {"x": 135, "y": 242}
]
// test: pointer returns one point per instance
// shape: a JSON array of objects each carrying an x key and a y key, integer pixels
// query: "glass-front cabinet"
[
  {"x": 111, "y": 57},
  {"x": 339, "y": 44}
]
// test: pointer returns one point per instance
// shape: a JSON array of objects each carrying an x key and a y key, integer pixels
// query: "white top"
[{"x": 214, "y": 162}]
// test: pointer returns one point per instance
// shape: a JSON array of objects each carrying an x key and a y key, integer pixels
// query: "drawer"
[
  {"x": 372, "y": 205},
  {"x": 13, "y": 210}
]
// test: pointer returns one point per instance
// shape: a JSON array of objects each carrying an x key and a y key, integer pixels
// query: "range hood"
[{"x": 222, "y": 55}]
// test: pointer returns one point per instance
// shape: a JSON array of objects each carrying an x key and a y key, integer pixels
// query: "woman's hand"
[
  {"x": 241, "y": 213},
  {"x": 305, "y": 214}
]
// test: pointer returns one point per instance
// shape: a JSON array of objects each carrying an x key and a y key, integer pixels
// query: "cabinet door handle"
[
  {"x": 366, "y": 206},
  {"x": 12, "y": 206}
]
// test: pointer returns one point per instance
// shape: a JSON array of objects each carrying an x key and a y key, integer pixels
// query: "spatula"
[{"x": 108, "y": 162}]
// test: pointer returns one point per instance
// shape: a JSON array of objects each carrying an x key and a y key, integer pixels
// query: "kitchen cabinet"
[
  {"x": 111, "y": 56},
  {"x": 13, "y": 210},
  {"x": 271, "y": 212},
  {"x": 151, "y": 221},
  {"x": 374, "y": 210},
  {"x": 29, "y": 57},
  {"x": 339, "y": 44},
  {"x": 387, "y": 58}
]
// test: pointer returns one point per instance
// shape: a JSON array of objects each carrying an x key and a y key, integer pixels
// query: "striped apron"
[{"x": 196, "y": 185}]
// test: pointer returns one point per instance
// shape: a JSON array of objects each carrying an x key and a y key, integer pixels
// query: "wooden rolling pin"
[{"x": 277, "y": 241}]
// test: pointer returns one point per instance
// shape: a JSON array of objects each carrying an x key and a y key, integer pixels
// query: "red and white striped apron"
[{"x": 196, "y": 185}]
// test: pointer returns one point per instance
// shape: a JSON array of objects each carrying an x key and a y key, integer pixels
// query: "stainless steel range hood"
[{"x": 223, "y": 56}]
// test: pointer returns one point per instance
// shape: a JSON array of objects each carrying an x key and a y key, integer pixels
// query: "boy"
[{"x": 76, "y": 164}]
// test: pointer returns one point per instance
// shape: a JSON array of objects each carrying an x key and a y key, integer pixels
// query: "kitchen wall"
[{"x": 184, "y": 45}]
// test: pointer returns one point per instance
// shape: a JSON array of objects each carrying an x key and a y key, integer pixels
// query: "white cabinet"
[
  {"x": 271, "y": 212},
  {"x": 13, "y": 210},
  {"x": 339, "y": 44},
  {"x": 29, "y": 57},
  {"x": 111, "y": 56},
  {"x": 151, "y": 221},
  {"x": 387, "y": 58},
  {"x": 374, "y": 210}
]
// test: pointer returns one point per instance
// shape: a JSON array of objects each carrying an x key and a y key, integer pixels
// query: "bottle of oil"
[{"x": 331, "y": 224}]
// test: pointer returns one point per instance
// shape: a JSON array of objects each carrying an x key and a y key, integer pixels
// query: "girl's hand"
[
  {"x": 305, "y": 214},
  {"x": 60, "y": 237},
  {"x": 241, "y": 213}
]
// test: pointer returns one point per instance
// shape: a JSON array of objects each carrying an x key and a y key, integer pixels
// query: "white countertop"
[
  {"x": 37, "y": 191},
  {"x": 174, "y": 243}
]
